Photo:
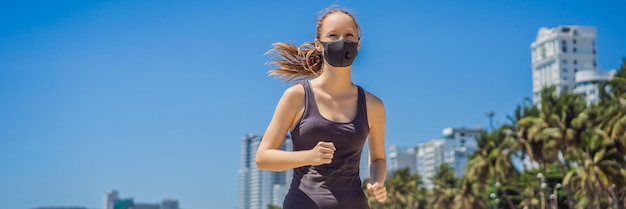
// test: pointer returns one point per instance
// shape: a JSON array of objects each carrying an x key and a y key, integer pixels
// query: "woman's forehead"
[{"x": 338, "y": 21}]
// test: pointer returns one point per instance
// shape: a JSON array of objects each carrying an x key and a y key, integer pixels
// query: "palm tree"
[
  {"x": 566, "y": 130},
  {"x": 479, "y": 166},
  {"x": 404, "y": 190},
  {"x": 617, "y": 85},
  {"x": 468, "y": 195},
  {"x": 492, "y": 160},
  {"x": 571, "y": 119},
  {"x": 613, "y": 106},
  {"x": 603, "y": 165},
  {"x": 548, "y": 137},
  {"x": 444, "y": 187},
  {"x": 529, "y": 195},
  {"x": 533, "y": 134},
  {"x": 526, "y": 109}
]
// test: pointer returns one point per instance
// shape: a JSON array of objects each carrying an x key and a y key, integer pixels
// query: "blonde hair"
[{"x": 297, "y": 63}]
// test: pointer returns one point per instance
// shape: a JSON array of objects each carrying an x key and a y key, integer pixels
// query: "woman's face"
[{"x": 335, "y": 26}]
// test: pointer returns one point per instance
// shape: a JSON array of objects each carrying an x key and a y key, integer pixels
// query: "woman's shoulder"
[
  {"x": 294, "y": 93},
  {"x": 296, "y": 89},
  {"x": 372, "y": 100}
]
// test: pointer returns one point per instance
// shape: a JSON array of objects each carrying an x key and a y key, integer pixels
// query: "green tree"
[
  {"x": 270, "y": 206},
  {"x": 444, "y": 187},
  {"x": 492, "y": 161},
  {"x": 404, "y": 190}
]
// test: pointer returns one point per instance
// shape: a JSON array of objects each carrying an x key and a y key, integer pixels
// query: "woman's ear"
[
  {"x": 318, "y": 45},
  {"x": 358, "y": 46}
]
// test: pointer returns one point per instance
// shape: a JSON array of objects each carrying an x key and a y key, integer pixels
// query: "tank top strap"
[
  {"x": 309, "y": 99},
  {"x": 362, "y": 105}
]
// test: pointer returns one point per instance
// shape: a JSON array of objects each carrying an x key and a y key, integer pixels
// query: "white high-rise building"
[
  {"x": 364, "y": 169},
  {"x": 429, "y": 158},
  {"x": 400, "y": 157},
  {"x": 110, "y": 197},
  {"x": 278, "y": 194},
  {"x": 454, "y": 148},
  {"x": 460, "y": 144},
  {"x": 558, "y": 54},
  {"x": 257, "y": 187},
  {"x": 587, "y": 82}
]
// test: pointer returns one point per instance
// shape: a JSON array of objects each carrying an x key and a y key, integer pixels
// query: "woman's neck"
[{"x": 335, "y": 80}]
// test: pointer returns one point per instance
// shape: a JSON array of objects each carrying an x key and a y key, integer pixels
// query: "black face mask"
[{"x": 340, "y": 53}]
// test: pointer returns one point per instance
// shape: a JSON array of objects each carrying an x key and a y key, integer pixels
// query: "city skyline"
[
  {"x": 259, "y": 188},
  {"x": 112, "y": 200},
  {"x": 152, "y": 99},
  {"x": 453, "y": 147}
]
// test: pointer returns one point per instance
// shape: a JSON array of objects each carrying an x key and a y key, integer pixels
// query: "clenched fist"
[
  {"x": 322, "y": 153},
  {"x": 378, "y": 190}
]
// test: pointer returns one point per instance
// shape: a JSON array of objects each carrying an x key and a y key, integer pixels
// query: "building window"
[
  {"x": 563, "y": 42},
  {"x": 564, "y": 61},
  {"x": 594, "y": 50},
  {"x": 575, "y": 62},
  {"x": 565, "y": 70},
  {"x": 574, "y": 49},
  {"x": 595, "y": 64},
  {"x": 575, "y": 70},
  {"x": 564, "y": 78},
  {"x": 565, "y": 29},
  {"x": 564, "y": 49},
  {"x": 574, "y": 41}
]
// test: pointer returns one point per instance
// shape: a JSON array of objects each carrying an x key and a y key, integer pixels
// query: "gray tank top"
[{"x": 334, "y": 185}]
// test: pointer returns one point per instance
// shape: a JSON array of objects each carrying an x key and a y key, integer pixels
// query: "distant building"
[
  {"x": 147, "y": 206},
  {"x": 587, "y": 83},
  {"x": 454, "y": 148},
  {"x": 460, "y": 144},
  {"x": 558, "y": 54},
  {"x": 110, "y": 197},
  {"x": 260, "y": 188},
  {"x": 127, "y": 203},
  {"x": 429, "y": 157},
  {"x": 113, "y": 201},
  {"x": 169, "y": 204},
  {"x": 401, "y": 157},
  {"x": 278, "y": 194}
]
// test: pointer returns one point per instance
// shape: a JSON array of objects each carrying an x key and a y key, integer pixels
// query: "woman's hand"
[
  {"x": 322, "y": 153},
  {"x": 378, "y": 190}
]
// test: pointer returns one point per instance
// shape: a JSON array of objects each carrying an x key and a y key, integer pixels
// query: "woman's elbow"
[
  {"x": 259, "y": 161},
  {"x": 264, "y": 164}
]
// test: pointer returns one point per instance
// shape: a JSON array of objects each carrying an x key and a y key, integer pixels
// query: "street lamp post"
[
  {"x": 554, "y": 197},
  {"x": 490, "y": 116},
  {"x": 494, "y": 194},
  {"x": 543, "y": 185},
  {"x": 614, "y": 199}
]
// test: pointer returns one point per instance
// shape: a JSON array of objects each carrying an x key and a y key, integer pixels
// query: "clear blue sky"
[{"x": 152, "y": 98}]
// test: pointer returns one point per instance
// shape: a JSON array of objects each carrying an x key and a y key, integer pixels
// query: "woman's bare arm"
[{"x": 270, "y": 157}]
